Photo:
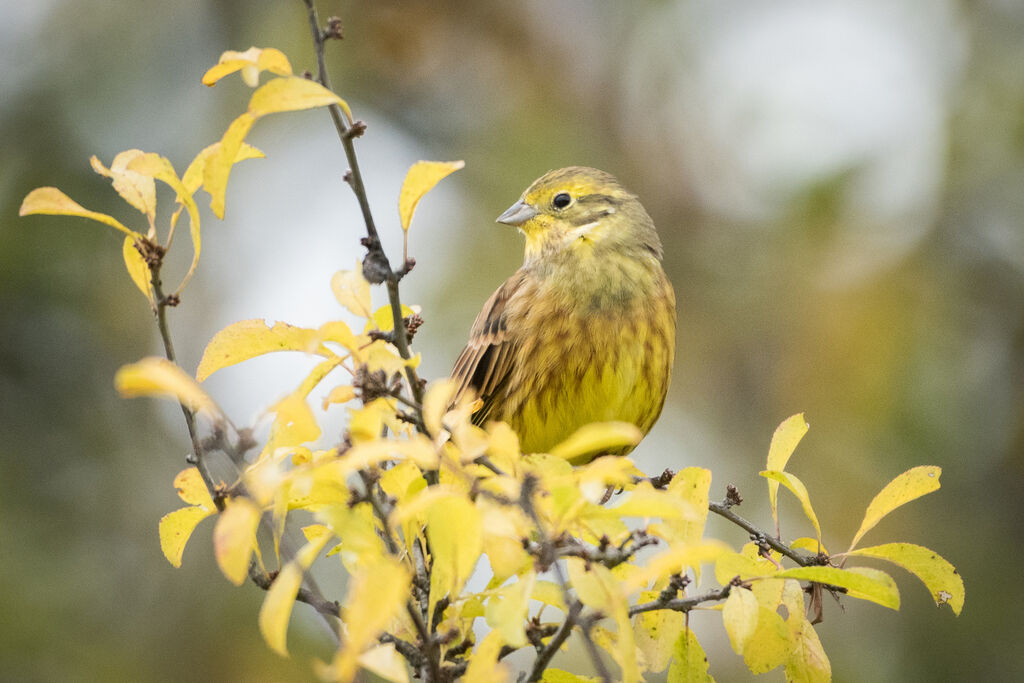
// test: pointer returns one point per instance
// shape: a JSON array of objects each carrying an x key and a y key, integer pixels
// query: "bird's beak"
[{"x": 517, "y": 214}]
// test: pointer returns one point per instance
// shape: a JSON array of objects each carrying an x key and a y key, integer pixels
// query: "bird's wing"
[{"x": 485, "y": 365}]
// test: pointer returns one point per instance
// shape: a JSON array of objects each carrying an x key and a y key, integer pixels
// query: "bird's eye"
[{"x": 561, "y": 200}]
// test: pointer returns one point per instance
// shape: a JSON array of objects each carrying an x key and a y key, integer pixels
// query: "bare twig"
[{"x": 376, "y": 267}]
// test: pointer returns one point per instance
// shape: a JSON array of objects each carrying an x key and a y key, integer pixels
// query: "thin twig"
[
  {"x": 800, "y": 557},
  {"x": 548, "y": 556},
  {"x": 682, "y": 604},
  {"x": 376, "y": 267}
]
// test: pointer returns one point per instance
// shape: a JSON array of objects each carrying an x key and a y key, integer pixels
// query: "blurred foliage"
[{"x": 895, "y": 323}]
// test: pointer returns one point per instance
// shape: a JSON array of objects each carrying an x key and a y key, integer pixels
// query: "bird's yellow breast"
[{"x": 604, "y": 356}]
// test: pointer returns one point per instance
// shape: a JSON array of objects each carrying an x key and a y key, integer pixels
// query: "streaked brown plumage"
[{"x": 584, "y": 331}]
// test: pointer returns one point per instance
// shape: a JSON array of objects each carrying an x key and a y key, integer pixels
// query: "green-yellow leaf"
[
  {"x": 912, "y": 484},
  {"x": 292, "y": 93},
  {"x": 656, "y": 632},
  {"x": 739, "y": 616},
  {"x": 941, "y": 577},
  {"x": 860, "y": 582},
  {"x": 156, "y": 376},
  {"x": 770, "y": 644},
  {"x": 176, "y": 528},
  {"x": 250, "y": 63},
  {"x": 807, "y": 661},
  {"x": 384, "y": 321},
  {"x": 596, "y": 438},
  {"x": 784, "y": 442},
  {"x": 138, "y": 270},
  {"x": 135, "y": 188},
  {"x": 234, "y": 538},
  {"x": 218, "y": 166},
  {"x": 689, "y": 663},
  {"x": 53, "y": 202},
  {"x": 352, "y": 290},
  {"x": 420, "y": 180},
  {"x": 247, "y": 339},
  {"x": 799, "y": 490}
]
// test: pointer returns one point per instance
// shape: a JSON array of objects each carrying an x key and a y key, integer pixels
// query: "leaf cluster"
[{"x": 441, "y": 525}]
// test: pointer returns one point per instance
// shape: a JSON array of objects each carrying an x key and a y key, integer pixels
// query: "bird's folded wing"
[{"x": 485, "y": 365}]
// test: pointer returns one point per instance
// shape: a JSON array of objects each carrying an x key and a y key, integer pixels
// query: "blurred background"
[{"x": 838, "y": 187}]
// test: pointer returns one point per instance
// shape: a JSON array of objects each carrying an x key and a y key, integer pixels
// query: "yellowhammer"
[{"x": 585, "y": 330}]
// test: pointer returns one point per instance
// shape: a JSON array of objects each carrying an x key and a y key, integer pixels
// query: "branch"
[
  {"x": 376, "y": 267},
  {"x": 762, "y": 538},
  {"x": 548, "y": 557},
  {"x": 682, "y": 604}
]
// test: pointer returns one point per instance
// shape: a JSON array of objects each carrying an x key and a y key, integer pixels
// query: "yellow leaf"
[
  {"x": 809, "y": 544},
  {"x": 53, "y": 202},
  {"x": 384, "y": 321},
  {"x": 276, "y": 611},
  {"x": 770, "y": 644},
  {"x": 807, "y": 661},
  {"x": 420, "y": 180},
  {"x": 294, "y": 422},
  {"x": 941, "y": 578},
  {"x": 912, "y": 484},
  {"x": 352, "y": 290},
  {"x": 784, "y": 442},
  {"x": 596, "y": 438},
  {"x": 234, "y": 538},
  {"x": 365, "y": 423},
  {"x": 192, "y": 489},
  {"x": 799, "y": 490},
  {"x": 192, "y": 179},
  {"x": 743, "y": 565},
  {"x": 656, "y": 633},
  {"x": 560, "y": 676},
  {"x": 156, "y": 166},
  {"x": 860, "y": 582},
  {"x": 674, "y": 560},
  {"x": 691, "y": 486},
  {"x": 176, "y": 528},
  {"x": 483, "y": 665},
  {"x": 338, "y": 332},
  {"x": 218, "y": 166},
  {"x": 250, "y": 63},
  {"x": 342, "y": 393},
  {"x": 455, "y": 532},
  {"x": 549, "y": 593},
  {"x": 503, "y": 445},
  {"x": 645, "y": 501},
  {"x": 435, "y": 404},
  {"x": 135, "y": 188},
  {"x": 292, "y": 93},
  {"x": 689, "y": 663},
  {"x": 385, "y": 662},
  {"x": 250, "y": 338},
  {"x": 154, "y": 376},
  {"x": 739, "y": 616},
  {"x": 506, "y": 610},
  {"x": 376, "y": 592},
  {"x": 138, "y": 270}
]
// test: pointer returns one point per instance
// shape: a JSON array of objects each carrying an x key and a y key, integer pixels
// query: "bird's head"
[{"x": 580, "y": 210}]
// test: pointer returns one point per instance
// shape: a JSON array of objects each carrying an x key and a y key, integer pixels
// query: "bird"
[{"x": 585, "y": 330}]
